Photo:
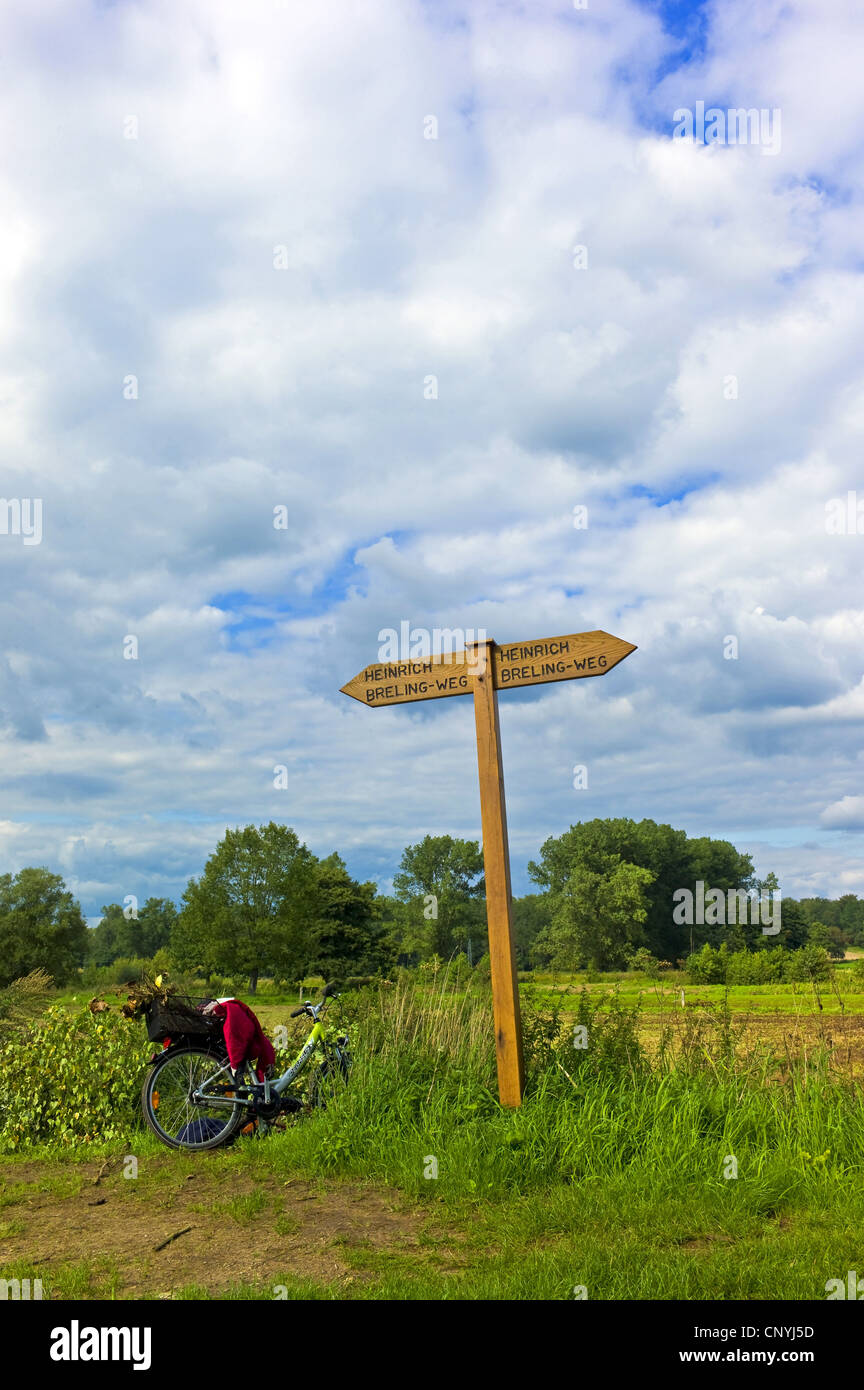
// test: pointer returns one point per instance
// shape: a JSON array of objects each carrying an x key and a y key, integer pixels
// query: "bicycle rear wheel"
[{"x": 166, "y": 1100}]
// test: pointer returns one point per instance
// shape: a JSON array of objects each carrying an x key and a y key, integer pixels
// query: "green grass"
[
  {"x": 618, "y": 1239},
  {"x": 614, "y": 1176},
  {"x": 245, "y": 1208},
  {"x": 663, "y": 995}
]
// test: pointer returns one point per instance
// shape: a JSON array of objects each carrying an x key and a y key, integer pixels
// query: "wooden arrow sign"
[
  {"x": 572, "y": 657},
  {"x": 483, "y": 671},
  {"x": 398, "y": 682},
  {"x": 557, "y": 658}
]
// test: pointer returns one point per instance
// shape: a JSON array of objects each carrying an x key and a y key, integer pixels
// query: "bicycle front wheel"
[
  {"x": 329, "y": 1080},
  {"x": 171, "y": 1113}
]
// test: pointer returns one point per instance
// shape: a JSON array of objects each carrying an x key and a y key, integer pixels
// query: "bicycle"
[{"x": 193, "y": 1100}]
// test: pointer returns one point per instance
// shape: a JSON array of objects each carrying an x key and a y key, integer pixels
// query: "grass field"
[{"x": 614, "y": 1178}]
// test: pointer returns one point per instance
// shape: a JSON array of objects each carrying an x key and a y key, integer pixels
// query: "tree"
[
  {"x": 349, "y": 933},
  {"x": 155, "y": 923},
  {"x": 41, "y": 926},
  {"x": 719, "y": 866},
  {"x": 850, "y": 918},
  {"x": 122, "y": 934},
  {"x": 106, "y": 942},
  {"x": 674, "y": 861},
  {"x": 794, "y": 925},
  {"x": 440, "y": 885},
  {"x": 253, "y": 909},
  {"x": 845, "y": 913},
  {"x": 831, "y": 939},
  {"x": 597, "y": 916},
  {"x": 531, "y": 917}
]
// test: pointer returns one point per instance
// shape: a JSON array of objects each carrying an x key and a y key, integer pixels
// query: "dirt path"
[{"x": 236, "y": 1226}]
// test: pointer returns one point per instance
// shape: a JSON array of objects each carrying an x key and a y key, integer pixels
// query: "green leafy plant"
[
  {"x": 71, "y": 1078},
  {"x": 645, "y": 963}
]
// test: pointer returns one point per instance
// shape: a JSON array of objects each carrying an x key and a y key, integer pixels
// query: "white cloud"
[
  {"x": 282, "y": 126},
  {"x": 846, "y": 814}
]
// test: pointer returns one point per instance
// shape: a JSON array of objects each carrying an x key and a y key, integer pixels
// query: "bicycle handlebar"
[{"x": 330, "y": 991}]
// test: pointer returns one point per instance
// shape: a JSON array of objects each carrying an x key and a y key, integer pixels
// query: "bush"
[
  {"x": 756, "y": 967},
  {"x": 543, "y": 1031},
  {"x": 23, "y": 1000},
  {"x": 224, "y": 986},
  {"x": 457, "y": 973},
  {"x": 71, "y": 1078},
  {"x": 646, "y": 964},
  {"x": 605, "y": 1038},
  {"x": 721, "y": 966},
  {"x": 118, "y": 973},
  {"x": 162, "y": 963},
  {"x": 483, "y": 969},
  {"x": 708, "y": 966},
  {"x": 810, "y": 963}
]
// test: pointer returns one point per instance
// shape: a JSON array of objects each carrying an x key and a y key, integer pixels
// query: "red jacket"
[{"x": 243, "y": 1036}]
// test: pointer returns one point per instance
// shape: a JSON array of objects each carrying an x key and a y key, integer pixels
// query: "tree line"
[{"x": 264, "y": 905}]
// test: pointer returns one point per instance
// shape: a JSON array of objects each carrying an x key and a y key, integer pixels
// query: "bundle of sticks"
[{"x": 146, "y": 991}]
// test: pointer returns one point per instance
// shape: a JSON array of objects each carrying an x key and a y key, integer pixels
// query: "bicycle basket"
[{"x": 178, "y": 1018}]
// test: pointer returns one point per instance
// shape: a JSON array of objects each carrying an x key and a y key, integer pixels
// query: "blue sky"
[{"x": 237, "y": 246}]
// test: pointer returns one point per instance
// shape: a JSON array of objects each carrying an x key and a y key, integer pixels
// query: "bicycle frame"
[{"x": 315, "y": 1042}]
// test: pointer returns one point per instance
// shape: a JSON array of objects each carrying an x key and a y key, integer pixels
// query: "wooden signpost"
[{"x": 483, "y": 670}]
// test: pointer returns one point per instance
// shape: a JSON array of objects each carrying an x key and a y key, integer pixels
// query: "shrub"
[
  {"x": 118, "y": 973},
  {"x": 708, "y": 966},
  {"x": 542, "y": 1033},
  {"x": 162, "y": 963},
  {"x": 756, "y": 967},
  {"x": 643, "y": 961},
  {"x": 23, "y": 1000},
  {"x": 810, "y": 963},
  {"x": 223, "y": 986},
  {"x": 71, "y": 1078},
  {"x": 721, "y": 966},
  {"x": 429, "y": 968},
  {"x": 456, "y": 974},
  {"x": 610, "y": 1035},
  {"x": 483, "y": 969}
]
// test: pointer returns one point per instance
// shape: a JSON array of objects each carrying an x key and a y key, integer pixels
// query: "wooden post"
[
  {"x": 571, "y": 657},
  {"x": 496, "y": 862}
]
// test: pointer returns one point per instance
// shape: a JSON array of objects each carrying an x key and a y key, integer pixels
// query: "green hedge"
[
  {"x": 71, "y": 1078},
  {"x": 720, "y": 966}
]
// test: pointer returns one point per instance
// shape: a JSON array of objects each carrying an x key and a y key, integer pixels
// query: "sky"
[{"x": 422, "y": 279}]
